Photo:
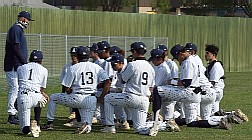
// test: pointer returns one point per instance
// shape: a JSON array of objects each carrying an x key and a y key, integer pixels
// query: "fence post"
[
  {"x": 125, "y": 47},
  {"x": 154, "y": 42},
  {"x": 89, "y": 41},
  {"x": 109, "y": 39},
  {"x": 40, "y": 41},
  {"x": 66, "y": 48}
]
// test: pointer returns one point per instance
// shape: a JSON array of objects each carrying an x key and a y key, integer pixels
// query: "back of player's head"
[
  {"x": 139, "y": 47},
  {"x": 73, "y": 50},
  {"x": 175, "y": 50},
  {"x": 162, "y": 47},
  {"x": 36, "y": 56},
  {"x": 103, "y": 46},
  {"x": 212, "y": 48},
  {"x": 191, "y": 47},
  {"x": 94, "y": 47},
  {"x": 156, "y": 53},
  {"x": 83, "y": 53},
  {"x": 114, "y": 49}
]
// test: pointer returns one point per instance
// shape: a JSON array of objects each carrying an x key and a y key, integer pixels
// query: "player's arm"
[
  {"x": 15, "y": 37},
  {"x": 105, "y": 90},
  {"x": 68, "y": 90}
]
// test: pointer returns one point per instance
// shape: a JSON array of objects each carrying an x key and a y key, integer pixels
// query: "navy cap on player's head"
[
  {"x": 73, "y": 50},
  {"x": 83, "y": 50},
  {"x": 114, "y": 49},
  {"x": 94, "y": 47},
  {"x": 103, "y": 45},
  {"x": 36, "y": 56},
  {"x": 116, "y": 58},
  {"x": 191, "y": 46},
  {"x": 137, "y": 45},
  {"x": 175, "y": 50},
  {"x": 155, "y": 53},
  {"x": 162, "y": 47},
  {"x": 25, "y": 14}
]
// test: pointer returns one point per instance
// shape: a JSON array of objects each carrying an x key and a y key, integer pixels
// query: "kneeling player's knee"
[{"x": 26, "y": 129}]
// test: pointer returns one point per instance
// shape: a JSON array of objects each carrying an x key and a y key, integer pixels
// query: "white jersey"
[
  {"x": 190, "y": 70},
  {"x": 162, "y": 74},
  {"x": 83, "y": 77},
  {"x": 32, "y": 76},
  {"x": 139, "y": 76},
  {"x": 173, "y": 67},
  {"x": 203, "y": 81},
  {"x": 65, "y": 69},
  {"x": 99, "y": 62},
  {"x": 216, "y": 73}
]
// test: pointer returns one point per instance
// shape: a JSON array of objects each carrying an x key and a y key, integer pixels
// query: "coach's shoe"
[
  {"x": 34, "y": 129},
  {"x": 122, "y": 125},
  {"x": 154, "y": 130},
  {"x": 234, "y": 119},
  {"x": 172, "y": 126},
  {"x": 108, "y": 129},
  {"x": 85, "y": 128},
  {"x": 12, "y": 119},
  {"x": 241, "y": 115},
  {"x": 47, "y": 127},
  {"x": 224, "y": 124}
]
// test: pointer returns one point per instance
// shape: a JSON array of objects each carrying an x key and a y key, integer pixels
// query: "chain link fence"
[{"x": 56, "y": 47}]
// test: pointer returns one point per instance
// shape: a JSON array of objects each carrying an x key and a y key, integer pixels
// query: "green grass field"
[{"x": 237, "y": 94}]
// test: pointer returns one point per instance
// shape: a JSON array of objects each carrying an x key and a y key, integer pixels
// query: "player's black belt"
[
  {"x": 25, "y": 91},
  {"x": 92, "y": 94}
]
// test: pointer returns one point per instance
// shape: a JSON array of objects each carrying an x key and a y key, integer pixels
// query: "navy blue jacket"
[{"x": 15, "y": 48}]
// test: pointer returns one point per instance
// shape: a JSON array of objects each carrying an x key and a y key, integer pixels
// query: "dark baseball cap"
[
  {"x": 94, "y": 47},
  {"x": 116, "y": 57},
  {"x": 103, "y": 45},
  {"x": 26, "y": 15},
  {"x": 83, "y": 50},
  {"x": 162, "y": 47},
  {"x": 137, "y": 45},
  {"x": 114, "y": 49},
  {"x": 36, "y": 55},
  {"x": 73, "y": 50},
  {"x": 191, "y": 46},
  {"x": 155, "y": 53},
  {"x": 175, "y": 50}
]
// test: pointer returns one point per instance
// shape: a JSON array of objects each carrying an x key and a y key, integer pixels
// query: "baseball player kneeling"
[
  {"x": 80, "y": 82},
  {"x": 32, "y": 78}
]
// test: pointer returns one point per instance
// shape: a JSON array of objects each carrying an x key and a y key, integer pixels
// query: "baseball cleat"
[
  {"x": 72, "y": 116},
  {"x": 85, "y": 128},
  {"x": 172, "y": 126},
  {"x": 47, "y": 127},
  {"x": 234, "y": 119},
  {"x": 13, "y": 120},
  {"x": 154, "y": 130},
  {"x": 122, "y": 126},
  {"x": 94, "y": 120},
  {"x": 110, "y": 129},
  {"x": 241, "y": 115},
  {"x": 224, "y": 124},
  {"x": 34, "y": 129}
]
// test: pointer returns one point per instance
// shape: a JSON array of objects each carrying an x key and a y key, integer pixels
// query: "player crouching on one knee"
[
  {"x": 32, "y": 78},
  {"x": 80, "y": 82}
]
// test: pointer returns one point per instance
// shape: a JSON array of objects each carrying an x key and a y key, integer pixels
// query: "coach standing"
[{"x": 15, "y": 55}]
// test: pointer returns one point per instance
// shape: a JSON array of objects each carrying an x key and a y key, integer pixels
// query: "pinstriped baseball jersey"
[
  {"x": 190, "y": 70},
  {"x": 216, "y": 73},
  {"x": 139, "y": 75},
  {"x": 32, "y": 75},
  {"x": 99, "y": 62},
  {"x": 64, "y": 71},
  {"x": 84, "y": 76},
  {"x": 162, "y": 74},
  {"x": 173, "y": 67}
]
